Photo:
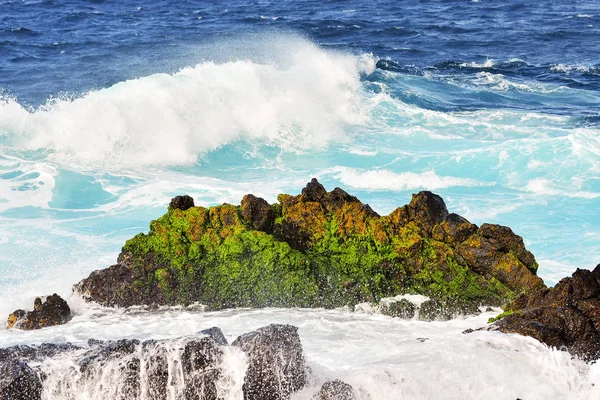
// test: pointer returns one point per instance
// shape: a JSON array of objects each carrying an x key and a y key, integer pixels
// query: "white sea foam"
[
  {"x": 383, "y": 179},
  {"x": 381, "y": 357},
  {"x": 567, "y": 69},
  {"x": 489, "y": 63},
  {"x": 545, "y": 187},
  {"x": 302, "y": 98}
]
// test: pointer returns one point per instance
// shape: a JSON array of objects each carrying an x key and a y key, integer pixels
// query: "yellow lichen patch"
[
  {"x": 197, "y": 220},
  {"x": 351, "y": 219},
  {"x": 226, "y": 218},
  {"x": 512, "y": 272},
  {"x": 287, "y": 200},
  {"x": 473, "y": 242},
  {"x": 309, "y": 216},
  {"x": 396, "y": 219},
  {"x": 406, "y": 238},
  {"x": 12, "y": 320},
  {"x": 378, "y": 229}
]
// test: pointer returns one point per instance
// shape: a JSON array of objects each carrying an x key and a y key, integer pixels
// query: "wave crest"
[{"x": 299, "y": 100}]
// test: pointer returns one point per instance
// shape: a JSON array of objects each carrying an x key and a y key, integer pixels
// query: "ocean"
[{"x": 109, "y": 109}]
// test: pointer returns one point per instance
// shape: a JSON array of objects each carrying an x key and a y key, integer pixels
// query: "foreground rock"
[
  {"x": 566, "y": 316},
  {"x": 51, "y": 311},
  {"x": 269, "y": 378},
  {"x": 185, "y": 368},
  {"x": 316, "y": 249}
]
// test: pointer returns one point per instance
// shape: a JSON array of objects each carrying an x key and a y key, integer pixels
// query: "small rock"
[
  {"x": 399, "y": 309},
  {"x": 335, "y": 390},
  {"x": 181, "y": 202},
  {"x": 53, "y": 311},
  {"x": 446, "y": 309}
]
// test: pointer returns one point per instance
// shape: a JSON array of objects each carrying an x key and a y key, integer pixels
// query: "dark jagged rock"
[
  {"x": 216, "y": 335},
  {"x": 181, "y": 202},
  {"x": 335, "y": 390},
  {"x": 189, "y": 368},
  {"x": 53, "y": 310},
  {"x": 428, "y": 210},
  {"x": 258, "y": 213},
  {"x": 316, "y": 249},
  {"x": 18, "y": 381},
  {"x": 276, "y": 366},
  {"x": 565, "y": 316}
]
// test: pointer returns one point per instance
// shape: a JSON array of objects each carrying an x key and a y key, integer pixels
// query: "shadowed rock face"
[
  {"x": 565, "y": 316},
  {"x": 316, "y": 249},
  {"x": 49, "y": 312}
]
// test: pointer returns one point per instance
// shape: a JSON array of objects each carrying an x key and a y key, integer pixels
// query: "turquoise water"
[{"x": 81, "y": 175}]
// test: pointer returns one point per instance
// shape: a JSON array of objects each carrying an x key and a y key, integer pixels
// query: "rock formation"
[
  {"x": 316, "y": 249},
  {"x": 565, "y": 316}
]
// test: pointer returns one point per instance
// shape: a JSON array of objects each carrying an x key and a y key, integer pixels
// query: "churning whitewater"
[{"x": 108, "y": 111}]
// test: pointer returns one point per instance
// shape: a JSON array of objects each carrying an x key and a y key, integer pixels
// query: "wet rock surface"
[
  {"x": 335, "y": 390},
  {"x": 276, "y": 366},
  {"x": 566, "y": 316},
  {"x": 190, "y": 367},
  {"x": 316, "y": 249},
  {"x": 49, "y": 311}
]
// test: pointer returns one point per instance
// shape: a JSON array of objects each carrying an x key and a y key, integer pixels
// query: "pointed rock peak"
[
  {"x": 427, "y": 209},
  {"x": 314, "y": 191}
]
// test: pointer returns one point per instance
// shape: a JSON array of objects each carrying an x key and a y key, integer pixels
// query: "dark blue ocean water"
[{"x": 51, "y": 47}]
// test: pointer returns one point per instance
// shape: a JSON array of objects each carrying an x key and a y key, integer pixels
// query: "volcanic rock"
[
  {"x": 18, "y": 381},
  {"x": 565, "y": 316},
  {"x": 181, "y": 202},
  {"x": 276, "y": 366},
  {"x": 53, "y": 310},
  {"x": 187, "y": 368},
  {"x": 335, "y": 390},
  {"x": 315, "y": 249}
]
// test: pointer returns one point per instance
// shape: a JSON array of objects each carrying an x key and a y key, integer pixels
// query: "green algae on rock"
[{"x": 316, "y": 249}]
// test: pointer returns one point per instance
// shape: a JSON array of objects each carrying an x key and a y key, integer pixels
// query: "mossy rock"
[
  {"x": 402, "y": 308},
  {"x": 316, "y": 249},
  {"x": 446, "y": 308}
]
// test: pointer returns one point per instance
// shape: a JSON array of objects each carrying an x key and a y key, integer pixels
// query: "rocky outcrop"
[
  {"x": 50, "y": 311},
  {"x": 566, "y": 316},
  {"x": 185, "y": 368},
  {"x": 316, "y": 249},
  {"x": 276, "y": 366}
]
